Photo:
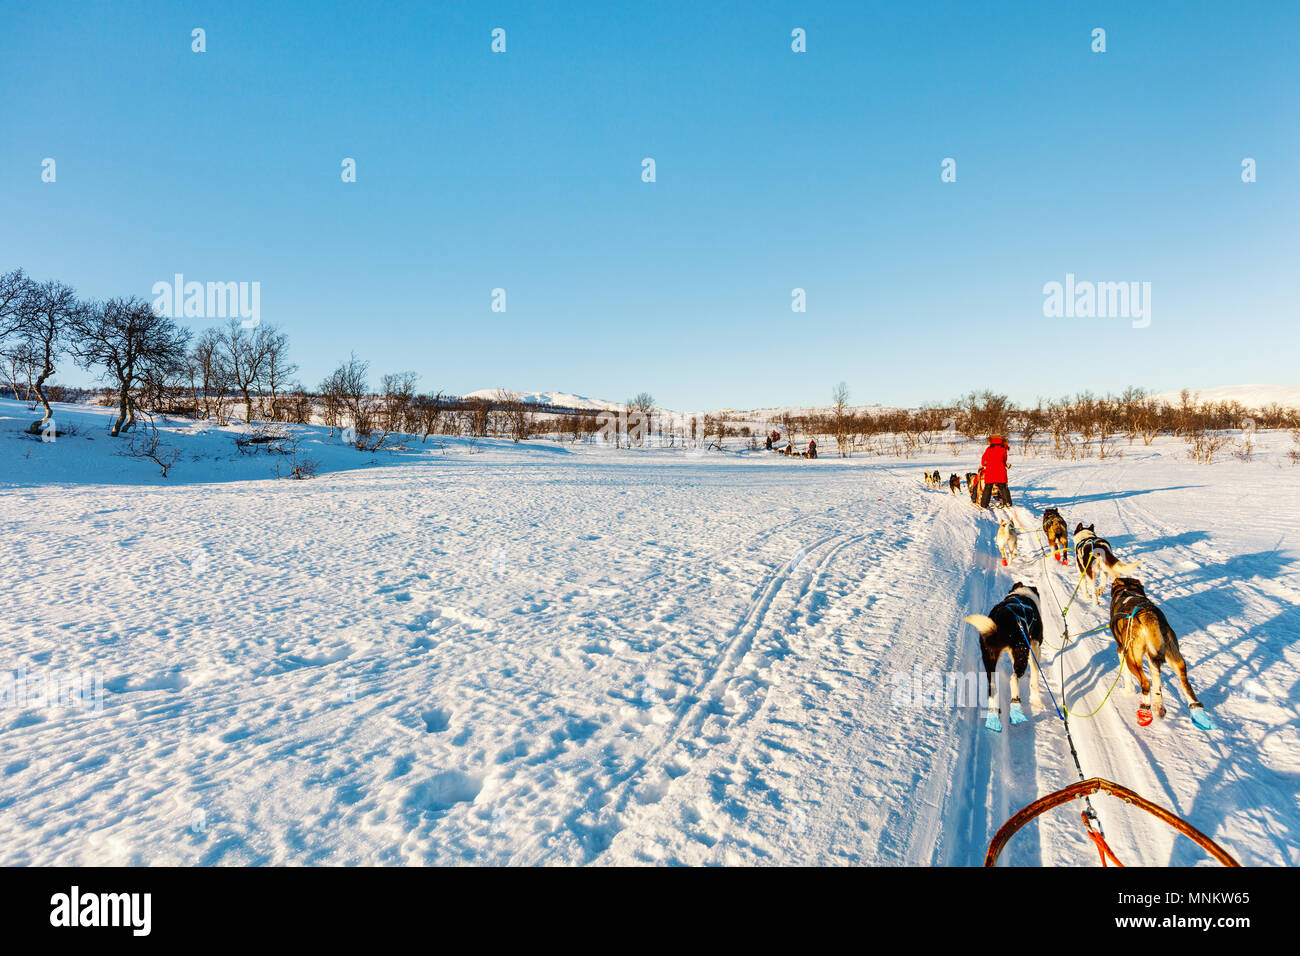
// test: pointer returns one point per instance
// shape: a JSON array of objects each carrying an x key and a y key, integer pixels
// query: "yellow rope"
[{"x": 1099, "y": 706}]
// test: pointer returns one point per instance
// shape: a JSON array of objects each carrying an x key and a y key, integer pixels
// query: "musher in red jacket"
[{"x": 994, "y": 466}]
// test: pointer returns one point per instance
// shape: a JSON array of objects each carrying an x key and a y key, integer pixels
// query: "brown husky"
[
  {"x": 1142, "y": 632},
  {"x": 1058, "y": 536}
]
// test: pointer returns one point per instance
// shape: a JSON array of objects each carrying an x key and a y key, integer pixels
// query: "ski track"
[{"x": 536, "y": 657}]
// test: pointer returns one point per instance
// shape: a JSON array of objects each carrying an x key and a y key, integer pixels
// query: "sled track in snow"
[
  {"x": 707, "y": 698},
  {"x": 684, "y": 741}
]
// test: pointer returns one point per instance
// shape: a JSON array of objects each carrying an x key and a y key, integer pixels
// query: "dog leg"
[
  {"x": 992, "y": 719},
  {"x": 1125, "y": 682},
  {"x": 1200, "y": 716},
  {"x": 1019, "y": 660},
  {"x": 1017, "y": 712},
  {"x": 1157, "y": 694},
  {"x": 1035, "y": 691},
  {"x": 1144, "y": 707}
]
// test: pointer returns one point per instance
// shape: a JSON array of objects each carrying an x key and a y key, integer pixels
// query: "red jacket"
[{"x": 994, "y": 463}]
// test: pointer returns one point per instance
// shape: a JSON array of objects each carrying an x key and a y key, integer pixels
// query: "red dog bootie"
[{"x": 1144, "y": 714}]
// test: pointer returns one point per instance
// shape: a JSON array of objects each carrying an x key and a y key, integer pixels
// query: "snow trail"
[{"x": 561, "y": 654}]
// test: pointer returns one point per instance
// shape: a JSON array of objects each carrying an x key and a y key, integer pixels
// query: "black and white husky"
[
  {"x": 1015, "y": 625},
  {"x": 1096, "y": 561}
]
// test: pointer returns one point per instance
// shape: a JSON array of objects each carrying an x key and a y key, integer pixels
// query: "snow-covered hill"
[
  {"x": 562, "y": 399},
  {"x": 1250, "y": 396}
]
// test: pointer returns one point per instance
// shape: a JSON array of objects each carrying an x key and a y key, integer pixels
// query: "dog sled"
[{"x": 1083, "y": 789}]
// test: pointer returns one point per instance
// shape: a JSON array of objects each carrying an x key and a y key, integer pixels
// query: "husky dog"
[
  {"x": 1008, "y": 540},
  {"x": 1096, "y": 561},
  {"x": 1016, "y": 626},
  {"x": 972, "y": 485},
  {"x": 932, "y": 479},
  {"x": 1058, "y": 536},
  {"x": 1141, "y": 631},
  {"x": 954, "y": 484}
]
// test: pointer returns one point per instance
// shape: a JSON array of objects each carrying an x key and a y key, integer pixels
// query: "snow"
[{"x": 556, "y": 654}]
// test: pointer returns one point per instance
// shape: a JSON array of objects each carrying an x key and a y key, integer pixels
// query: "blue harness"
[
  {"x": 1083, "y": 552},
  {"x": 1023, "y": 610}
]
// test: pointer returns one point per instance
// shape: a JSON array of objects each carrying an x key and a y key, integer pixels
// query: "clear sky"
[{"x": 775, "y": 170}]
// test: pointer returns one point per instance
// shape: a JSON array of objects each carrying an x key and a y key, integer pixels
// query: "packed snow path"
[{"x": 536, "y": 657}]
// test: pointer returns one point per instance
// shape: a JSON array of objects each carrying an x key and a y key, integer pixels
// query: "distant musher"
[{"x": 994, "y": 467}]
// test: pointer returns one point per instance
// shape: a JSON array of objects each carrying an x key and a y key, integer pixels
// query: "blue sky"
[{"x": 775, "y": 170}]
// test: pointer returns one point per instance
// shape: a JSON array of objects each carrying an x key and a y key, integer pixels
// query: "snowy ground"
[{"x": 548, "y": 654}]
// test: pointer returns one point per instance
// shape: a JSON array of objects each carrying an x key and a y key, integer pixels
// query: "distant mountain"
[
  {"x": 564, "y": 399},
  {"x": 768, "y": 414},
  {"x": 1251, "y": 396}
]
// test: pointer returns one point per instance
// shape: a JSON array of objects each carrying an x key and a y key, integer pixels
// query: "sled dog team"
[
  {"x": 975, "y": 486},
  {"x": 1141, "y": 630},
  {"x": 789, "y": 451}
]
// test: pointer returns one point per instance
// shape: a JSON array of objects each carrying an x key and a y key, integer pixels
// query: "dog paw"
[
  {"x": 1144, "y": 715},
  {"x": 1017, "y": 714}
]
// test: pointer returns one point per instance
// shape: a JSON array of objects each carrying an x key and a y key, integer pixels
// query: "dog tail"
[
  {"x": 1121, "y": 568},
  {"x": 982, "y": 623}
]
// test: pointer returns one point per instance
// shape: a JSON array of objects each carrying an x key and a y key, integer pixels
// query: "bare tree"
[
  {"x": 148, "y": 444},
  {"x": 399, "y": 394},
  {"x": 13, "y": 291},
  {"x": 513, "y": 415},
  {"x": 640, "y": 409},
  {"x": 245, "y": 356},
  {"x": 349, "y": 383},
  {"x": 127, "y": 339},
  {"x": 841, "y": 425},
  {"x": 331, "y": 393},
  {"x": 20, "y": 362},
  {"x": 47, "y": 312},
  {"x": 212, "y": 374},
  {"x": 277, "y": 368},
  {"x": 427, "y": 411}
]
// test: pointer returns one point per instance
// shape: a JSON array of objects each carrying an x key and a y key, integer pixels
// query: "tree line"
[
  {"x": 147, "y": 361},
  {"x": 1082, "y": 426},
  {"x": 144, "y": 360}
]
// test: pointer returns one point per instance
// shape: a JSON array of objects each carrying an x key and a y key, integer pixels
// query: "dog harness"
[
  {"x": 1083, "y": 552},
  {"x": 1139, "y": 602},
  {"x": 1023, "y": 610}
]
